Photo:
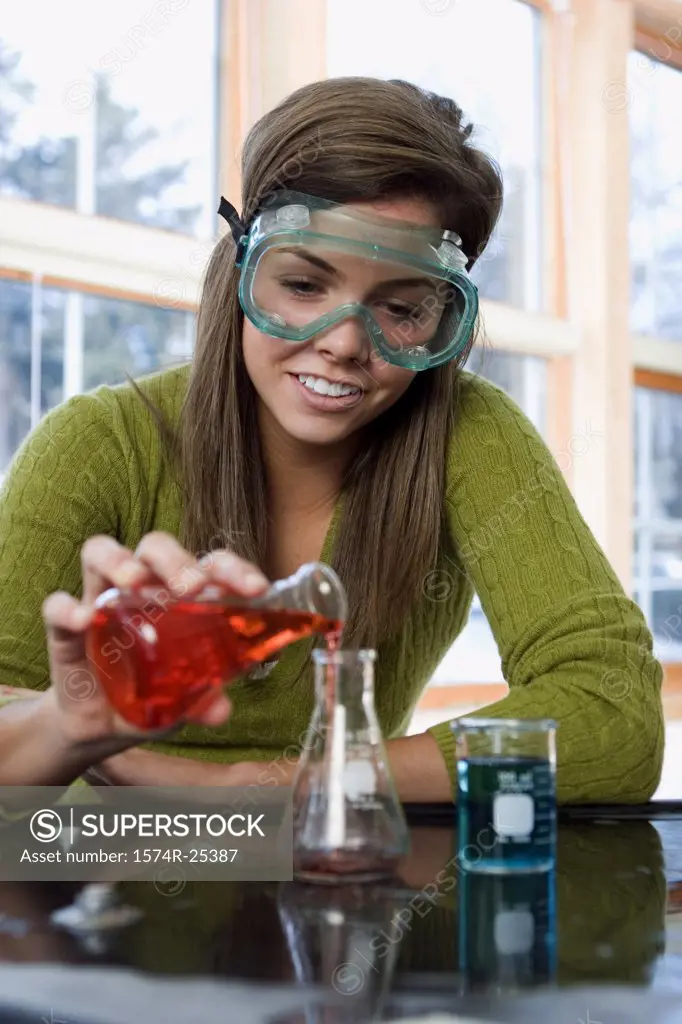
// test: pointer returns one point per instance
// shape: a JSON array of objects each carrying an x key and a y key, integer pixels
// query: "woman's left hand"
[
  {"x": 419, "y": 770},
  {"x": 139, "y": 767}
]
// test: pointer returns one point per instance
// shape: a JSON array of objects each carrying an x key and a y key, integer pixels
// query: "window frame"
[{"x": 74, "y": 347}]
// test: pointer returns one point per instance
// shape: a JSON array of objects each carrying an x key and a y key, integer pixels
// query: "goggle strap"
[{"x": 229, "y": 213}]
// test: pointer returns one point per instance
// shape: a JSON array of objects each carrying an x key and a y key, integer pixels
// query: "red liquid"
[
  {"x": 157, "y": 664},
  {"x": 341, "y": 866}
]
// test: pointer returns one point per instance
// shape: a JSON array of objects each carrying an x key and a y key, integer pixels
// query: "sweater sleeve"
[
  {"x": 60, "y": 490},
  {"x": 573, "y": 646}
]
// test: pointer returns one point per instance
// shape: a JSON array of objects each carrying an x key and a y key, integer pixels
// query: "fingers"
[
  {"x": 160, "y": 558},
  {"x": 106, "y": 563},
  {"x": 66, "y": 620},
  {"x": 184, "y": 575},
  {"x": 165, "y": 557},
  {"x": 239, "y": 575},
  {"x": 62, "y": 613}
]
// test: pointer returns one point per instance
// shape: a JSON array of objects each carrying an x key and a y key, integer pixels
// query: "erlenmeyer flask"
[
  {"x": 348, "y": 821},
  {"x": 157, "y": 656}
]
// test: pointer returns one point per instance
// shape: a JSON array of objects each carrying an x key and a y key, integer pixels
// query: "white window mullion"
[
  {"x": 73, "y": 345},
  {"x": 535, "y": 392},
  {"x": 86, "y": 160},
  {"x": 668, "y": 526},
  {"x": 662, "y": 583},
  {"x": 36, "y": 347},
  {"x": 533, "y": 242},
  {"x": 644, "y": 442}
]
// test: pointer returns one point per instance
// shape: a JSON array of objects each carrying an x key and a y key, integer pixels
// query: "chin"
[{"x": 314, "y": 431}]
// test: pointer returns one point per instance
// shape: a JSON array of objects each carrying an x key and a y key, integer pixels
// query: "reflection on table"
[{"x": 607, "y": 925}]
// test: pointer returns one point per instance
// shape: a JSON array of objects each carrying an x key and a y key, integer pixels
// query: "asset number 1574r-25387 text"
[{"x": 194, "y": 855}]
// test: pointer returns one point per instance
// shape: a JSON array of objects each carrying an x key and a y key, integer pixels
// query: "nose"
[{"x": 345, "y": 341}]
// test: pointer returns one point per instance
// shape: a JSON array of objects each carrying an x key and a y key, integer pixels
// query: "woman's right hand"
[{"x": 85, "y": 722}]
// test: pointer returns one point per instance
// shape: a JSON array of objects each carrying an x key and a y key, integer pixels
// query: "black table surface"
[{"x": 290, "y": 952}]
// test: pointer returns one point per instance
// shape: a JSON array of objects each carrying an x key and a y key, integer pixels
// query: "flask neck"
[
  {"x": 314, "y": 588},
  {"x": 345, "y": 695},
  {"x": 347, "y": 684}
]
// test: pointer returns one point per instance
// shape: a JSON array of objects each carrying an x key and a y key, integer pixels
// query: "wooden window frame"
[
  {"x": 658, "y": 381},
  {"x": 659, "y": 46},
  {"x": 100, "y": 291}
]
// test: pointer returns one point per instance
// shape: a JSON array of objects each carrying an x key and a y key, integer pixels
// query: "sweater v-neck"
[{"x": 290, "y": 661}]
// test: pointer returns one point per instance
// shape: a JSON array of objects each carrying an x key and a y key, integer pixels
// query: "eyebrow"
[
  {"x": 321, "y": 264},
  {"x": 315, "y": 260}
]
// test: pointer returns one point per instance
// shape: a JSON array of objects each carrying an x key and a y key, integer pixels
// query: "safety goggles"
[{"x": 307, "y": 264}]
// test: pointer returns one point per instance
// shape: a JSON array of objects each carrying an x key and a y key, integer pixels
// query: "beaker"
[
  {"x": 349, "y": 824},
  {"x": 506, "y": 794},
  {"x": 159, "y": 657}
]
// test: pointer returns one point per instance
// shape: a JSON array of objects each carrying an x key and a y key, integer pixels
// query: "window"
[
  {"x": 524, "y": 378},
  {"x": 497, "y": 85},
  {"x": 15, "y": 367},
  {"x": 474, "y": 657},
  {"x": 118, "y": 118},
  {"x": 129, "y": 337},
  {"x": 658, "y": 517},
  {"x": 656, "y": 198},
  {"x": 31, "y": 336},
  {"x": 55, "y": 343}
]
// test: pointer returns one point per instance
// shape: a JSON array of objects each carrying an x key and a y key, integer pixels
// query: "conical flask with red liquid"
[
  {"x": 349, "y": 825},
  {"x": 158, "y": 658}
]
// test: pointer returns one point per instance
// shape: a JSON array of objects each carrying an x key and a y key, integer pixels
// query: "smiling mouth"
[
  {"x": 327, "y": 388},
  {"x": 327, "y": 401}
]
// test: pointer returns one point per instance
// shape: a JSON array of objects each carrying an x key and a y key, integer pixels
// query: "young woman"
[{"x": 326, "y": 415}]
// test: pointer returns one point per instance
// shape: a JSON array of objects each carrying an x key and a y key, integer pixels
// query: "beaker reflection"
[
  {"x": 507, "y": 930},
  {"x": 344, "y": 939}
]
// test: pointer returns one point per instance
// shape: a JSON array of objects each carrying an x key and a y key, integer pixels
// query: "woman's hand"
[
  {"x": 83, "y": 720},
  {"x": 137, "y": 767}
]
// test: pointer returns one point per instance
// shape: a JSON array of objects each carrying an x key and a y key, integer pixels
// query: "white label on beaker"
[
  {"x": 514, "y": 931},
  {"x": 513, "y": 814},
  {"x": 358, "y": 779}
]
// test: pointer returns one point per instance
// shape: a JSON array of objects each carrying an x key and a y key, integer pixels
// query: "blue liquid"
[
  {"x": 507, "y": 929},
  {"x": 506, "y": 814}
]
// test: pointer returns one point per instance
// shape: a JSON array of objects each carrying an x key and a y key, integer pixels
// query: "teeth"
[{"x": 325, "y": 387}]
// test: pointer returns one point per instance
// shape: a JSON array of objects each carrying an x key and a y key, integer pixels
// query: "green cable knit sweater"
[{"x": 573, "y": 646}]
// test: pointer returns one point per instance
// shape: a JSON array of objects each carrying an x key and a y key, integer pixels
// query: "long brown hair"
[{"x": 347, "y": 140}]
